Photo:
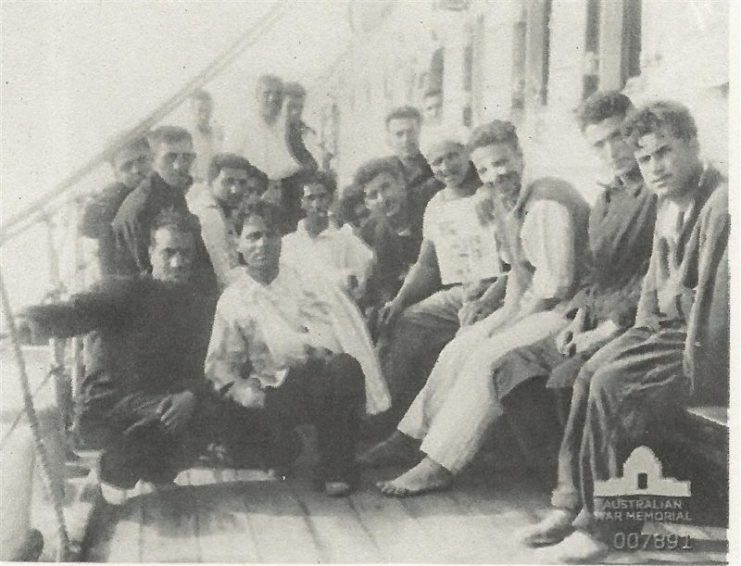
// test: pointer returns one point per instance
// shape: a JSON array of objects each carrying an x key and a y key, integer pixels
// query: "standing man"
[
  {"x": 317, "y": 245},
  {"x": 233, "y": 183},
  {"x": 144, "y": 398},
  {"x": 208, "y": 137},
  {"x": 678, "y": 349},
  {"x": 403, "y": 125},
  {"x": 131, "y": 164},
  {"x": 164, "y": 188},
  {"x": 295, "y": 349}
]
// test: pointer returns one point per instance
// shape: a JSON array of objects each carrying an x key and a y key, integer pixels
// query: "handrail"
[{"x": 19, "y": 222}]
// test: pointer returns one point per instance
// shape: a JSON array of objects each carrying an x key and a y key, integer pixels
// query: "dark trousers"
[
  {"x": 135, "y": 445},
  {"x": 330, "y": 394},
  {"x": 619, "y": 397}
]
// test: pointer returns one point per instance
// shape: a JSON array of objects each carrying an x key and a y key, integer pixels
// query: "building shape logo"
[{"x": 642, "y": 475}]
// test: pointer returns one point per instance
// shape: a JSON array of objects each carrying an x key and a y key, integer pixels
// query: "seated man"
[
  {"x": 131, "y": 164},
  {"x": 297, "y": 349},
  {"x": 232, "y": 184},
  {"x": 543, "y": 227},
  {"x": 144, "y": 397},
  {"x": 678, "y": 349},
  {"x": 164, "y": 188},
  {"x": 621, "y": 226},
  {"x": 388, "y": 229},
  {"x": 316, "y": 245},
  {"x": 457, "y": 261}
]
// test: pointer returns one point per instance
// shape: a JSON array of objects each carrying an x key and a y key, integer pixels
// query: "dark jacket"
[
  {"x": 96, "y": 223},
  {"x": 145, "y": 338},
  {"x": 133, "y": 222}
]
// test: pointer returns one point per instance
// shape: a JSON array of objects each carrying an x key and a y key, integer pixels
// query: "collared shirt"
[
  {"x": 218, "y": 232},
  {"x": 260, "y": 331},
  {"x": 466, "y": 250},
  {"x": 339, "y": 254},
  {"x": 206, "y": 144}
]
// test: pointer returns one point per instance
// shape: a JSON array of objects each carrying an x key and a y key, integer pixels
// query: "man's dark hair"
[
  {"x": 176, "y": 221},
  {"x": 201, "y": 95},
  {"x": 602, "y": 105},
  {"x": 373, "y": 168},
  {"x": 168, "y": 134},
  {"x": 327, "y": 180},
  {"x": 136, "y": 144},
  {"x": 294, "y": 89},
  {"x": 268, "y": 78},
  {"x": 270, "y": 214},
  {"x": 346, "y": 207},
  {"x": 234, "y": 161},
  {"x": 404, "y": 113},
  {"x": 495, "y": 132},
  {"x": 657, "y": 116}
]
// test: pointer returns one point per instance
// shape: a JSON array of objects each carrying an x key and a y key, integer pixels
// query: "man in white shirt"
[
  {"x": 208, "y": 137},
  {"x": 232, "y": 181},
  {"x": 457, "y": 261},
  {"x": 297, "y": 350},
  {"x": 316, "y": 245}
]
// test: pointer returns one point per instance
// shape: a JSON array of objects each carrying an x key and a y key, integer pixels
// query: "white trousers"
[{"x": 454, "y": 409}]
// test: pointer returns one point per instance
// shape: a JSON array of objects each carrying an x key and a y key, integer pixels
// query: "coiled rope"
[{"x": 63, "y": 549}]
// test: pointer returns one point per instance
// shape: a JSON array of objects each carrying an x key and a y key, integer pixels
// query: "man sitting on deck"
[
  {"x": 678, "y": 350},
  {"x": 144, "y": 398},
  {"x": 621, "y": 225},
  {"x": 131, "y": 164},
  {"x": 316, "y": 245},
  {"x": 296, "y": 348},
  {"x": 164, "y": 188}
]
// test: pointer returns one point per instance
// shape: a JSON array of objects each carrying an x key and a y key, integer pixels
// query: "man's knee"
[{"x": 604, "y": 384}]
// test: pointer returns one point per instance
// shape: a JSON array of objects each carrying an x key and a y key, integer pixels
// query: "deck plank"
[
  {"x": 341, "y": 537},
  {"x": 282, "y": 531},
  {"x": 170, "y": 525},
  {"x": 224, "y": 531}
]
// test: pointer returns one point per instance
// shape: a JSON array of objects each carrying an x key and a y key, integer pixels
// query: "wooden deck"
[{"x": 238, "y": 516}]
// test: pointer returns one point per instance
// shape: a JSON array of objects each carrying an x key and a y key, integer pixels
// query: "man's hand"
[
  {"x": 565, "y": 339},
  {"x": 388, "y": 315},
  {"x": 175, "y": 411}
]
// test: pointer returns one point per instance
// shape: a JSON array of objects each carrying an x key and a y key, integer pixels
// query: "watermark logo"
[{"x": 642, "y": 493}]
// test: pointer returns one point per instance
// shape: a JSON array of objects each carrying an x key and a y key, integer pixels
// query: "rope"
[
  {"x": 22, "y": 220},
  {"x": 57, "y": 501}
]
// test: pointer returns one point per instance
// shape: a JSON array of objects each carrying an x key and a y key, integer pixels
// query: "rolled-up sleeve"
[{"x": 548, "y": 243}]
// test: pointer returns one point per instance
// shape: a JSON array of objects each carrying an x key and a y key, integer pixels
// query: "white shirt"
[
  {"x": 466, "y": 250},
  {"x": 218, "y": 233},
  {"x": 206, "y": 145},
  {"x": 338, "y": 254},
  {"x": 260, "y": 331},
  {"x": 547, "y": 239}
]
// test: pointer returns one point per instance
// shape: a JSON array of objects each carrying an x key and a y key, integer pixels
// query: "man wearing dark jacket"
[
  {"x": 163, "y": 189},
  {"x": 144, "y": 398},
  {"x": 131, "y": 164}
]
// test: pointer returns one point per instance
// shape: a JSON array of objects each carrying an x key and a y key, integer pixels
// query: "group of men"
[{"x": 439, "y": 292}]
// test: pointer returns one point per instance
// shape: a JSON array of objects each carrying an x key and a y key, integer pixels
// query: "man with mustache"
[
  {"x": 144, "y": 398},
  {"x": 678, "y": 349},
  {"x": 543, "y": 227},
  {"x": 294, "y": 348}
]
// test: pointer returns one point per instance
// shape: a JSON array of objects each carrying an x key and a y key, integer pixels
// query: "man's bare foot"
[
  {"x": 426, "y": 476},
  {"x": 396, "y": 449}
]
